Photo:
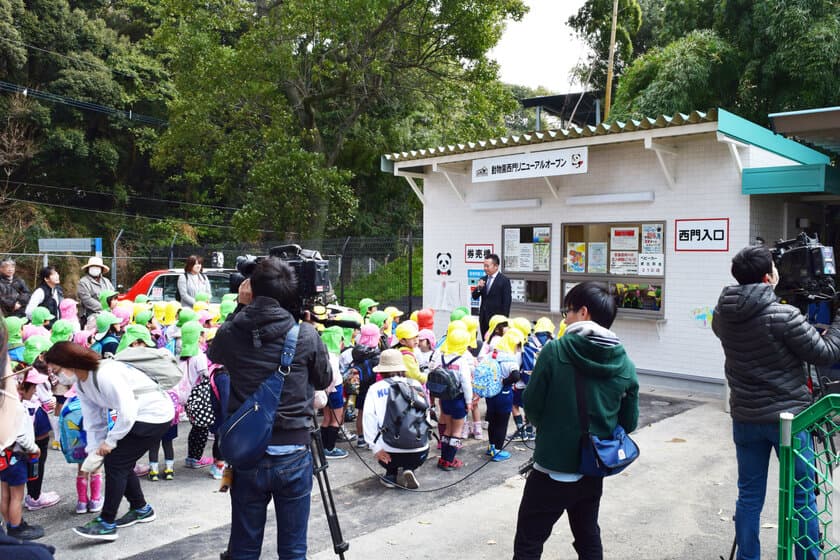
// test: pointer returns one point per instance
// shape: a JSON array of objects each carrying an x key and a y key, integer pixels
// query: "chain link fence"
[{"x": 387, "y": 269}]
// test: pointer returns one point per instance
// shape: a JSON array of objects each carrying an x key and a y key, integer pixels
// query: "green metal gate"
[{"x": 822, "y": 420}]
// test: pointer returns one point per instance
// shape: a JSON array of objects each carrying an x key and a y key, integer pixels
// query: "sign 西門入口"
[{"x": 701, "y": 235}]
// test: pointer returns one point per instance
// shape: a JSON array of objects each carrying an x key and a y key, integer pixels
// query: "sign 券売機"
[
  {"x": 477, "y": 252},
  {"x": 702, "y": 234},
  {"x": 567, "y": 161}
]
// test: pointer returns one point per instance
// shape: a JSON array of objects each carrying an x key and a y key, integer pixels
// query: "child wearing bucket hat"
[
  {"x": 334, "y": 396},
  {"x": 391, "y": 368},
  {"x": 42, "y": 319},
  {"x": 14, "y": 326},
  {"x": 406, "y": 334},
  {"x": 455, "y": 356},
  {"x": 68, "y": 310},
  {"x": 196, "y": 371},
  {"x": 107, "y": 337},
  {"x": 367, "y": 306}
]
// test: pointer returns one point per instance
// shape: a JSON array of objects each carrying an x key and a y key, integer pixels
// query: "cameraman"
[
  {"x": 249, "y": 344},
  {"x": 766, "y": 345}
]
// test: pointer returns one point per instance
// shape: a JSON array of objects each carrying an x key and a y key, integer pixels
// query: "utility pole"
[{"x": 608, "y": 99}]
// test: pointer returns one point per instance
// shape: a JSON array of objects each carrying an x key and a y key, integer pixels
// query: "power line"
[
  {"x": 80, "y": 60},
  {"x": 121, "y": 215},
  {"x": 78, "y": 190},
  {"x": 78, "y": 104}
]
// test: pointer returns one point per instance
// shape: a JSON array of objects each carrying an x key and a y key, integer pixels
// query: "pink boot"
[
  {"x": 96, "y": 500},
  {"x": 81, "y": 494}
]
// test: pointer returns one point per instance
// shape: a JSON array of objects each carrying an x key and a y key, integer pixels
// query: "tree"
[{"x": 296, "y": 82}]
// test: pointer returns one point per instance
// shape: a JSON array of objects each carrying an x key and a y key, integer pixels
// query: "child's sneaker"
[
  {"x": 465, "y": 431},
  {"x": 388, "y": 481},
  {"x": 335, "y": 453},
  {"x": 491, "y": 450},
  {"x": 142, "y": 515},
  {"x": 95, "y": 506},
  {"x": 456, "y": 463},
  {"x": 500, "y": 455},
  {"x": 530, "y": 433},
  {"x": 154, "y": 476},
  {"x": 361, "y": 443},
  {"x": 216, "y": 472},
  {"x": 81, "y": 507},
  {"x": 25, "y": 531},
  {"x": 97, "y": 529},
  {"x": 411, "y": 480},
  {"x": 477, "y": 432},
  {"x": 168, "y": 474},
  {"x": 45, "y": 500},
  {"x": 191, "y": 463}
]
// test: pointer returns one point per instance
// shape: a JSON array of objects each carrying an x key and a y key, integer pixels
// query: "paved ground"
[{"x": 675, "y": 502}]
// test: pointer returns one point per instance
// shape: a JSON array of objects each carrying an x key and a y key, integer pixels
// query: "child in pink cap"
[{"x": 68, "y": 309}]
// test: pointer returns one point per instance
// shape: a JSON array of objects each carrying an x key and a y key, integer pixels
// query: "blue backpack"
[
  {"x": 72, "y": 432},
  {"x": 488, "y": 376}
]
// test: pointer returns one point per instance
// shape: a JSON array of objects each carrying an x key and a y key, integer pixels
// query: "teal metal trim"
[
  {"x": 791, "y": 179},
  {"x": 748, "y": 132},
  {"x": 804, "y": 112}
]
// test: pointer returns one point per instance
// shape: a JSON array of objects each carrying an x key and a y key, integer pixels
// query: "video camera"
[{"x": 806, "y": 270}]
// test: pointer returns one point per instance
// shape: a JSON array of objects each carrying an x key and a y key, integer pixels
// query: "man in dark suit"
[{"x": 494, "y": 291}]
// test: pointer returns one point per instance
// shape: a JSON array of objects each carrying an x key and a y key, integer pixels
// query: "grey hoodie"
[{"x": 766, "y": 344}]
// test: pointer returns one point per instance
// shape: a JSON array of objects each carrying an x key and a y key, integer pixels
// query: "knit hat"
[
  {"x": 226, "y": 308},
  {"x": 390, "y": 360},
  {"x": 369, "y": 336},
  {"x": 427, "y": 334},
  {"x": 407, "y": 330},
  {"x": 133, "y": 333},
  {"x": 34, "y": 346},
  {"x": 104, "y": 296},
  {"x": 41, "y": 315},
  {"x": 332, "y": 339},
  {"x": 523, "y": 325},
  {"x": 103, "y": 323},
  {"x": 186, "y": 315},
  {"x": 378, "y": 318},
  {"x": 68, "y": 308},
  {"x": 62, "y": 331},
  {"x": 365, "y": 304},
  {"x": 456, "y": 342},
  {"x": 190, "y": 333},
  {"x": 144, "y": 317},
  {"x": 544, "y": 324},
  {"x": 426, "y": 319},
  {"x": 141, "y": 298},
  {"x": 458, "y": 313},
  {"x": 13, "y": 326}
]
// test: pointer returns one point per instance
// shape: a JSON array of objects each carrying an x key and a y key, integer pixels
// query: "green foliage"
[
  {"x": 383, "y": 281},
  {"x": 697, "y": 71}
]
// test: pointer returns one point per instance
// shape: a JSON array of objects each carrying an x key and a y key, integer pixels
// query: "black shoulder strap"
[
  {"x": 289, "y": 347},
  {"x": 583, "y": 410},
  {"x": 445, "y": 365}
]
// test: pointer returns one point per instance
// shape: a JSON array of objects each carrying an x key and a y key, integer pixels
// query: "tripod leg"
[{"x": 340, "y": 546}]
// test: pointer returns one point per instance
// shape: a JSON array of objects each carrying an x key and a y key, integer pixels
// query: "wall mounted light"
[
  {"x": 612, "y": 198},
  {"x": 507, "y": 204}
]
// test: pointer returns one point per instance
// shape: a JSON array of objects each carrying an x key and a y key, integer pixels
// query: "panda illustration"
[{"x": 444, "y": 264}]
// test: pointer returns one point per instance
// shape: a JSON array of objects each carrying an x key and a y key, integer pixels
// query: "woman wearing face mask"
[
  {"x": 91, "y": 285},
  {"x": 144, "y": 413},
  {"x": 192, "y": 282}
]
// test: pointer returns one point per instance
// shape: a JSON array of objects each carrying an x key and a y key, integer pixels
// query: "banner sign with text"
[{"x": 568, "y": 161}]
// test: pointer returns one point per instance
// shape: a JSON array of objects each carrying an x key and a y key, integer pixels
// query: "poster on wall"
[
  {"x": 575, "y": 257},
  {"x": 651, "y": 265},
  {"x": 475, "y": 253},
  {"x": 473, "y": 276},
  {"x": 526, "y": 257},
  {"x": 652, "y": 238},
  {"x": 542, "y": 235},
  {"x": 517, "y": 290},
  {"x": 511, "y": 241},
  {"x": 624, "y": 239},
  {"x": 541, "y": 257},
  {"x": 702, "y": 235},
  {"x": 625, "y": 263},
  {"x": 597, "y": 258}
]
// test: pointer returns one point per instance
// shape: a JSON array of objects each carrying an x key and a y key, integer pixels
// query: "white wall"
[{"x": 708, "y": 185}]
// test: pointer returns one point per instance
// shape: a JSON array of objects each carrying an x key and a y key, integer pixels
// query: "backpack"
[
  {"x": 199, "y": 405},
  {"x": 405, "y": 425},
  {"x": 158, "y": 364},
  {"x": 444, "y": 383},
  {"x": 366, "y": 373},
  {"x": 487, "y": 377},
  {"x": 71, "y": 431}
]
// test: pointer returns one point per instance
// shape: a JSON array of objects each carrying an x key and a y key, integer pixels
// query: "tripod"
[{"x": 319, "y": 471}]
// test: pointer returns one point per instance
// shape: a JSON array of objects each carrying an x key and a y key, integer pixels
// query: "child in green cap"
[{"x": 333, "y": 396}]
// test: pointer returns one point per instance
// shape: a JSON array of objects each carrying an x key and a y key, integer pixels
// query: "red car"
[{"x": 162, "y": 285}]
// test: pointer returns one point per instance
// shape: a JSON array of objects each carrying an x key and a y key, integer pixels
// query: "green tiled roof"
[{"x": 603, "y": 129}]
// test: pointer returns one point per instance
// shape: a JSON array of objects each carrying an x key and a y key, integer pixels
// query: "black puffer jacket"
[
  {"x": 766, "y": 344},
  {"x": 249, "y": 345}
]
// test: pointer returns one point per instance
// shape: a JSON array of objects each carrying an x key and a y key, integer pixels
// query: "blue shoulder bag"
[
  {"x": 601, "y": 457},
  {"x": 244, "y": 436}
]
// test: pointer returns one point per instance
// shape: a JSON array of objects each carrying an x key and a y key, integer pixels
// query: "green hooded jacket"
[{"x": 551, "y": 405}]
